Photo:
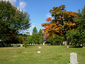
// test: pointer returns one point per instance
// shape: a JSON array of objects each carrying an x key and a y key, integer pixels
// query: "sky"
[{"x": 39, "y": 9}]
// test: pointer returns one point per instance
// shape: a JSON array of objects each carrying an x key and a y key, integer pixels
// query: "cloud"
[
  {"x": 11, "y": 1},
  {"x": 32, "y": 26},
  {"x": 21, "y": 6},
  {"x": 48, "y": 15}
]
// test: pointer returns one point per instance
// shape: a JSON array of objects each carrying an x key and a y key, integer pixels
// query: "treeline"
[{"x": 65, "y": 26}]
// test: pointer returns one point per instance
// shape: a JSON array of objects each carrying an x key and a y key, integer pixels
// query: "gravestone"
[
  {"x": 15, "y": 45},
  {"x": 73, "y": 58},
  {"x": 67, "y": 46},
  {"x": 21, "y": 45},
  {"x": 81, "y": 45},
  {"x": 44, "y": 42},
  {"x": 64, "y": 42},
  {"x": 39, "y": 47},
  {"x": 38, "y": 51}
]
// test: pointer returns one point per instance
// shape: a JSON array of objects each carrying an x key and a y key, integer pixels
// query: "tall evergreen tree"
[
  {"x": 34, "y": 31},
  {"x": 35, "y": 35},
  {"x": 40, "y": 36}
]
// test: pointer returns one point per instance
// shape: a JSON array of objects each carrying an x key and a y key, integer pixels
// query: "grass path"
[{"x": 48, "y": 55}]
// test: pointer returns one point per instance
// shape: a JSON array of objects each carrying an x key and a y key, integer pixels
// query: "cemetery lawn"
[{"x": 48, "y": 55}]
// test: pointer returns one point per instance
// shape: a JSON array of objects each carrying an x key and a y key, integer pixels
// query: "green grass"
[{"x": 48, "y": 55}]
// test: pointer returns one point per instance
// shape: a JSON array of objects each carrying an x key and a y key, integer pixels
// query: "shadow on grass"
[{"x": 73, "y": 46}]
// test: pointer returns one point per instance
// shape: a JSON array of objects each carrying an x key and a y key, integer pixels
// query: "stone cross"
[{"x": 73, "y": 58}]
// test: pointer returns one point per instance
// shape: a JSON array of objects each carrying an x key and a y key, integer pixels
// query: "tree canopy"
[
  {"x": 78, "y": 35},
  {"x": 11, "y": 20},
  {"x": 62, "y": 21}
]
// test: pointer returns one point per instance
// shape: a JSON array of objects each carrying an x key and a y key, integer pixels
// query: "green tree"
[
  {"x": 35, "y": 35},
  {"x": 40, "y": 36},
  {"x": 20, "y": 38},
  {"x": 55, "y": 39},
  {"x": 28, "y": 40},
  {"x": 78, "y": 35},
  {"x": 34, "y": 31},
  {"x": 11, "y": 21}
]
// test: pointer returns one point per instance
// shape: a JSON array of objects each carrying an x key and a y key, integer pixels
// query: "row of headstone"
[
  {"x": 40, "y": 44},
  {"x": 15, "y": 45},
  {"x": 32, "y": 44}
]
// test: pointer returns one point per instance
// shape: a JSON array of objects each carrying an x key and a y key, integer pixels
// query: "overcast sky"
[{"x": 39, "y": 9}]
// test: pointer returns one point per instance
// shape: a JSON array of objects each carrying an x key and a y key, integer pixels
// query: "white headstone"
[
  {"x": 39, "y": 47},
  {"x": 38, "y": 51},
  {"x": 21, "y": 45},
  {"x": 67, "y": 46},
  {"x": 73, "y": 58},
  {"x": 44, "y": 42},
  {"x": 64, "y": 42},
  {"x": 15, "y": 45},
  {"x": 49, "y": 44},
  {"x": 81, "y": 45}
]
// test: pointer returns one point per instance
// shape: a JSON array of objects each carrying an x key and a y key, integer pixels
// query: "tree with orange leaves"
[{"x": 62, "y": 21}]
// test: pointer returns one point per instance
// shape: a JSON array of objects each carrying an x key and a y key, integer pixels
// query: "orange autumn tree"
[{"x": 61, "y": 22}]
